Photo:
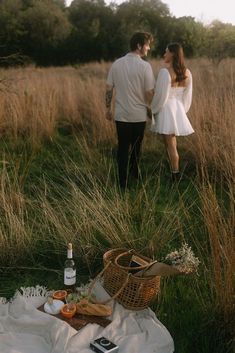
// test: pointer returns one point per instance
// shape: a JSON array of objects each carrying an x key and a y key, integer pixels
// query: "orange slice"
[
  {"x": 68, "y": 310},
  {"x": 60, "y": 294}
]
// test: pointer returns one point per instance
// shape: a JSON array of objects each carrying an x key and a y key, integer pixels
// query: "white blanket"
[{"x": 24, "y": 329}]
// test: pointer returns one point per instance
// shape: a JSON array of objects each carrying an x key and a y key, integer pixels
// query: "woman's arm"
[{"x": 161, "y": 93}]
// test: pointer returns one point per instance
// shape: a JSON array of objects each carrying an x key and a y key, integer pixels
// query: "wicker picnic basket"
[{"x": 132, "y": 292}]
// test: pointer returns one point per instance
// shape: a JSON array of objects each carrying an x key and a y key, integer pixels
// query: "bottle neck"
[{"x": 69, "y": 253}]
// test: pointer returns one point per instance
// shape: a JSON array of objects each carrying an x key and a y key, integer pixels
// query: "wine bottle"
[{"x": 69, "y": 269}]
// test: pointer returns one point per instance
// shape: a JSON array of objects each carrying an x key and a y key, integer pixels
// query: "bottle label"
[{"x": 69, "y": 276}]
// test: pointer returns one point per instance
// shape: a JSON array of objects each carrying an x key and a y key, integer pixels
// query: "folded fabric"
[{"x": 86, "y": 308}]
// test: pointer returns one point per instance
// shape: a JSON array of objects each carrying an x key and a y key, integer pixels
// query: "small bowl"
[
  {"x": 60, "y": 294},
  {"x": 68, "y": 310},
  {"x": 53, "y": 308}
]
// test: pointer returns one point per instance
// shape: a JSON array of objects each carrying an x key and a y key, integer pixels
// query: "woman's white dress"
[{"x": 170, "y": 105}]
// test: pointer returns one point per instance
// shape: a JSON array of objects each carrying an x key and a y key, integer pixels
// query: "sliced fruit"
[
  {"x": 60, "y": 294},
  {"x": 68, "y": 310}
]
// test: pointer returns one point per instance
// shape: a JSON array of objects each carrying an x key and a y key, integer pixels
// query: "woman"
[{"x": 172, "y": 100}]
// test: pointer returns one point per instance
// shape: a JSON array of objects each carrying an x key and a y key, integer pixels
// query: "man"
[{"x": 133, "y": 81}]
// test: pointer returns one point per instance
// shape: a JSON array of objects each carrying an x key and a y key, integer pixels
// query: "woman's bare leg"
[{"x": 171, "y": 148}]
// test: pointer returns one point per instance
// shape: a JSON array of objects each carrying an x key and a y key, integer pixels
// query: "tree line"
[{"x": 47, "y": 32}]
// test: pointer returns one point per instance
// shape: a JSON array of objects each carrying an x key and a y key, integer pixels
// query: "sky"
[{"x": 202, "y": 10}]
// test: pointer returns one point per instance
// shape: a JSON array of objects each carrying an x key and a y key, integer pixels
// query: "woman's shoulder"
[
  {"x": 188, "y": 73},
  {"x": 164, "y": 74},
  {"x": 164, "y": 71}
]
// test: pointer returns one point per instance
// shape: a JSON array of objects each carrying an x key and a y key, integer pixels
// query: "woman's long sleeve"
[
  {"x": 187, "y": 95},
  {"x": 161, "y": 92}
]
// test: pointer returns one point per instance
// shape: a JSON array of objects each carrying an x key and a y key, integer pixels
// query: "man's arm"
[{"x": 108, "y": 101}]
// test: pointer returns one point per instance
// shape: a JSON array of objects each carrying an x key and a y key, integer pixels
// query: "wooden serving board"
[{"x": 78, "y": 321}]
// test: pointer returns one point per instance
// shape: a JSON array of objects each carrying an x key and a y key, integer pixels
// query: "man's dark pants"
[{"x": 130, "y": 137}]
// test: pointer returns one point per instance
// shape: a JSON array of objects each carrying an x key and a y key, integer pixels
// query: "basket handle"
[
  {"x": 128, "y": 267},
  {"x": 100, "y": 274}
]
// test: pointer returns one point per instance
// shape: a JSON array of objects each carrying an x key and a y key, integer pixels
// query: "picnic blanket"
[{"x": 24, "y": 329}]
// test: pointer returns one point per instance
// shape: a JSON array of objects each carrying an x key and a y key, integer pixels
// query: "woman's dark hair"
[
  {"x": 140, "y": 38},
  {"x": 178, "y": 61}
]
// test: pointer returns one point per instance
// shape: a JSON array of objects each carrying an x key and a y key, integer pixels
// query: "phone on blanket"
[{"x": 103, "y": 345}]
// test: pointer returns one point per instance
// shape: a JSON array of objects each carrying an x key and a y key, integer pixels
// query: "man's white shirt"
[{"x": 131, "y": 77}]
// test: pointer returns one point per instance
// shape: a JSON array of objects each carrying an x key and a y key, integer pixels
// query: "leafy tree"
[
  {"x": 11, "y": 30},
  {"x": 220, "y": 41},
  {"x": 92, "y": 21},
  {"x": 60, "y": 3},
  {"x": 33, "y": 28},
  {"x": 189, "y": 33},
  {"x": 46, "y": 27},
  {"x": 50, "y": 33},
  {"x": 142, "y": 15}
]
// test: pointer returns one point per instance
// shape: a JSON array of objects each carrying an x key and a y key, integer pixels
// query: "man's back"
[{"x": 131, "y": 77}]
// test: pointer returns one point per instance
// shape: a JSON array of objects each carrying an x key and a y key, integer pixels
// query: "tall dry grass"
[
  {"x": 220, "y": 226},
  {"x": 16, "y": 227},
  {"x": 35, "y": 101},
  {"x": 212, "y": 115}
]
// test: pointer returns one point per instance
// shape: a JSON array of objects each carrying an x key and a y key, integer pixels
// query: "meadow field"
[{"x": 58, "y": 183}]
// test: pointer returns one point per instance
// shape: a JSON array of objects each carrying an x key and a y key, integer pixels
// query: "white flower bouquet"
[{"x": 183, "y": 259}]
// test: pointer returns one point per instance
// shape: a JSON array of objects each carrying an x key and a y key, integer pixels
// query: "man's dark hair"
[{"x": 140, "y": 38}]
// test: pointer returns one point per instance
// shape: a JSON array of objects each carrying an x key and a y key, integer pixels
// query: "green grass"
[{"x": 66, "y": 190}]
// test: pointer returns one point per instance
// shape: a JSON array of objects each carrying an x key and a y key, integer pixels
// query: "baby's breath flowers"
[{"x": 183, "y": 259}]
